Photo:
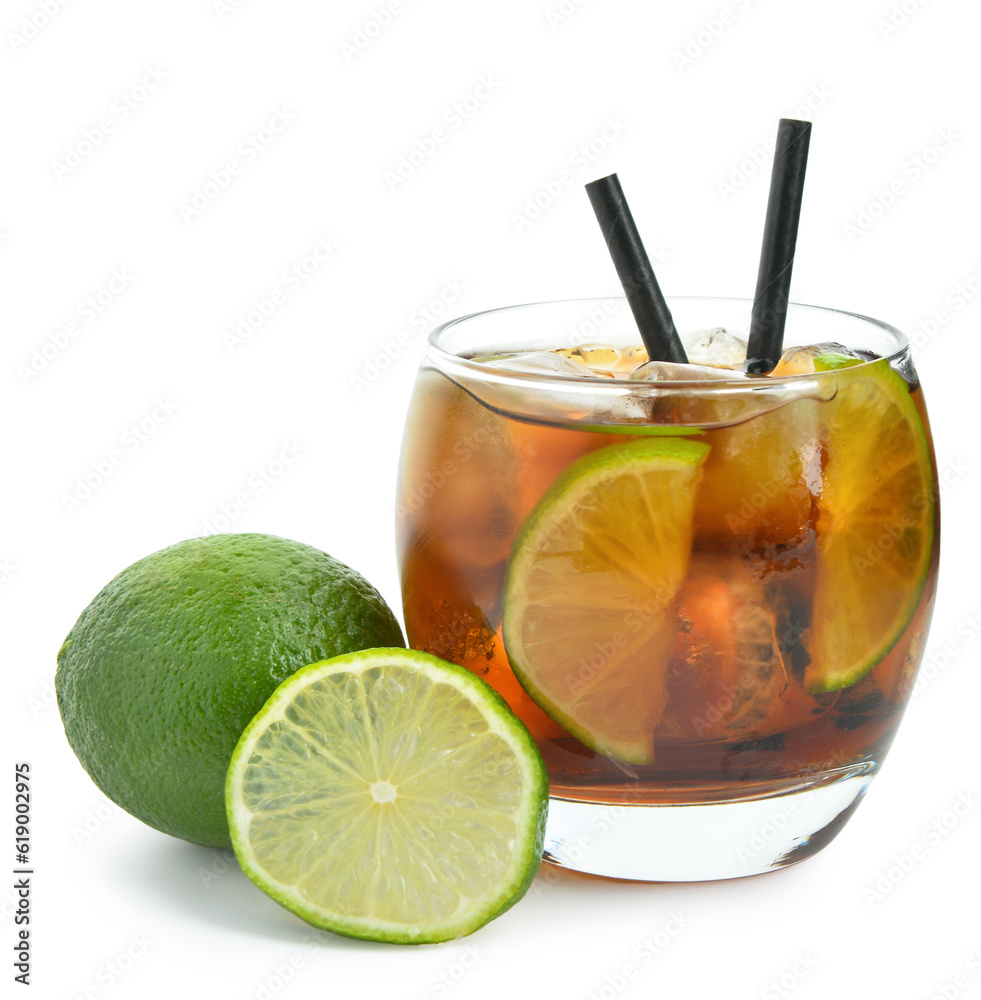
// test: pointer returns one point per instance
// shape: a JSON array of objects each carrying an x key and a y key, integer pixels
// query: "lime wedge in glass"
[
  {"x": 590, "y": 590},
  {"x": 875, "y": 522}
]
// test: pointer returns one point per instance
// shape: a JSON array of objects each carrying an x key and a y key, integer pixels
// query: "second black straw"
[{"x": 779, "y": 242}]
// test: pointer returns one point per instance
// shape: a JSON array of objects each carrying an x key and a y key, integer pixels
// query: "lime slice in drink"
[
  {"x": 874, "y": 523},
  {"x": 388, "y": 795},
  {"x": 590, "y": 588}
]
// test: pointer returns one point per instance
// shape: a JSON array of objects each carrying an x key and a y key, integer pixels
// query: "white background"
[{"x": 687, "y": 95}]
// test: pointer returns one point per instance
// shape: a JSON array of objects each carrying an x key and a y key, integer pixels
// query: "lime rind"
[
  {"x": 578, "y": 480},
  {"x": 449, "y": 686},
  {"x": 833, "y": 362},
  {"x": 642, "y": 429},
  {"x": 616, "y": 457},
  {"x": 843, "y": 622}
]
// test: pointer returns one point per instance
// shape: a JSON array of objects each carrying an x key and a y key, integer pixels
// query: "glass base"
[{"x": 695, "y": 842}]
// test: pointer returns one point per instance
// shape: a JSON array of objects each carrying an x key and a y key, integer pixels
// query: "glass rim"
[{"x": 480, "y": 369}]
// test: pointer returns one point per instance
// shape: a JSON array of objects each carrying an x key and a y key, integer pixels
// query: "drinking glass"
[{"x": 713, "y": 665}]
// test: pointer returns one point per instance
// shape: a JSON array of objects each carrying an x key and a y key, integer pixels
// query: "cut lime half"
[{"x": 390, "y": 796}]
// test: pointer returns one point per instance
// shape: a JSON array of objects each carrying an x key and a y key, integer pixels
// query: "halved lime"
[
  {"x": 874, "y": 523},
  {"x": 390, "y": 796},
  {"x": 588, "y": 599}
]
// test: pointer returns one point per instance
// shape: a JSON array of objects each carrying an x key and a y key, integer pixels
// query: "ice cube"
[
  {"x": 545, "y": 362},
  {"x": 727, "y": 676},
  {"x": 800, "y": 360},
  {"x": 687, "y": 406},
  {"x": 668, "y": 371},
  {"x": 632, "y": 410},
  {"x": 581, "y": 395},
  {"x": 716, "y": 346},
  {"x": 604, "y": 359},
  {"x": 592, "y": 355}
]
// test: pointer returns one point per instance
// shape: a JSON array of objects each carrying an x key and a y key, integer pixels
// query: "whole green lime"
[{"x": 169, "y": 663}]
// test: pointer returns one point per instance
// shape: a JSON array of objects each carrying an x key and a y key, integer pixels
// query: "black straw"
[
  {"x": 779, "y": 240},
  {"x": 651, "y": 312}
]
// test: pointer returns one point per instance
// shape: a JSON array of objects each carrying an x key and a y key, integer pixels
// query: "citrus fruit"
[
  {"x": 167, "y": 665},
  {"x": 875, "y": 518},
  {"x": 588, "y": 599},
  {"x": 388, "y": 795}
]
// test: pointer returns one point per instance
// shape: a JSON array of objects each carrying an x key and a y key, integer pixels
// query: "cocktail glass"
[{"x": 714, "y": 667}]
